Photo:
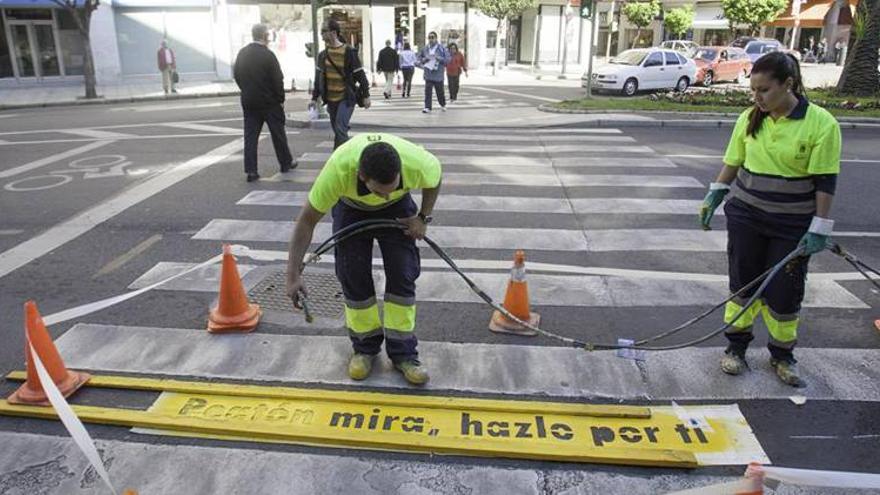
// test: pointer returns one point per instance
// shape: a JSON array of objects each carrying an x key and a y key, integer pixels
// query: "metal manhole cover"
[{"x": 325, "y": 294}]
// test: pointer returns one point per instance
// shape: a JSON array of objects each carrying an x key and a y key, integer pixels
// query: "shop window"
[{"x": 5, "y": 56}]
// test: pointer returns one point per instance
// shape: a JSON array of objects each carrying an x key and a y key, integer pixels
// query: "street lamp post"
[
  {"x": 322, "y": 113},
  {"x": 593, "y": 26},
  {"x": 568, "y": 13}
]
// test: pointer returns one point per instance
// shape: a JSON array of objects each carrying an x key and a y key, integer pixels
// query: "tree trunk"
[
  {"x": 831, "y": 29},
  {"x": 89, "y": 70},
  {"x": 860, "y": 76},
  {"x": 83, "y": 25},
  {"x": 636, "y": 39},
  {"x": 497, "y": 60}
]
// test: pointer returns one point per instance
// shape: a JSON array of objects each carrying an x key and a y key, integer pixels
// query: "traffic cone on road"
[
  {"x": 36, "y": 336},
  {"x": 233, "y": 313},
  {"x": 398, "y": 83},
  {"x": 877, "y": 324},
  {"x": 516, "y": 301}
]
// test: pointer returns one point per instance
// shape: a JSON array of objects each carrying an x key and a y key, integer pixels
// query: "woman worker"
[{"x": 780, "y": 169}]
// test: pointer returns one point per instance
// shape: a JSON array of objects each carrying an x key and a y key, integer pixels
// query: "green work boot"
[
  {"x": 360, "y": 365},
  {"x": 413, "y": 371},
  {"x": 788, "y": 373},
  {"x": 733, "y": 364}
]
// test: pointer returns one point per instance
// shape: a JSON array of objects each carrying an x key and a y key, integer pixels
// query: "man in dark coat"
[
  {"x": 259, "y": 77},
  {"x": 388, "y": 64}
]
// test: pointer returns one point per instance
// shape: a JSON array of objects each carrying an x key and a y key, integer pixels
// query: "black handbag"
[
  {"x": 359, "y": 98},
  {"x": 175, "y": 77}
]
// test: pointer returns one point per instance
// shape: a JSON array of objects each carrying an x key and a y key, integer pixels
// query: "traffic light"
[
  {"x": 310, "y": 49},
  {"x": 587, "y": 9}
]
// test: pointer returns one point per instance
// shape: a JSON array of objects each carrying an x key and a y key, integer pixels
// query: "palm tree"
[{"x": 860, "y": 76}]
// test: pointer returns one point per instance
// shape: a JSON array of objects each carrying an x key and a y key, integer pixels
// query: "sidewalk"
[{"x": 55, "y": 94}]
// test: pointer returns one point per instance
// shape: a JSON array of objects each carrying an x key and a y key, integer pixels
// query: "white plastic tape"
[
  {"x": 831, "y": 479},
  {"x": 74, "y": 426}
]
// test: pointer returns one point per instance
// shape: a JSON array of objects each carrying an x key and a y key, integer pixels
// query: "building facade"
[{"x": 39, "y": 43}]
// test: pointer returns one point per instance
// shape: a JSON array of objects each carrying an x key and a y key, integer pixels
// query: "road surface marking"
[{"x": 27, "y": 167}]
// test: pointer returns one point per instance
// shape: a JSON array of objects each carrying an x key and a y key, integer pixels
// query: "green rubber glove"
[
  {"x": 818, "y": 237},
  {"x": 712, "y": 201}
]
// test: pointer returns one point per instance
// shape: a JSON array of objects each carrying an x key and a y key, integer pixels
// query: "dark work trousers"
[
  {"x": 354, "y": 269},
  {"x": 253, "y": 125},
  {"x": 407, "y": 80},
  {"x": 340, "y": 117},
  {"x": 434, "y": 86},
  {"x": 453, "y": 86},
  {"x": 753, "y": 246}
]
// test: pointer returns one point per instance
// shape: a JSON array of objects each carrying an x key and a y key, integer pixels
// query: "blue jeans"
[
  {"x": 438, "y": 87},
  {"x": 340, "y": 117}
]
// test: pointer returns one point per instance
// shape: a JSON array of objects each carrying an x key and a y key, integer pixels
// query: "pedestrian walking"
[
  {"x": 408, "y": 60},
  {"x": 457, "y": 65},
  {"x": 371, "y": 177},
  {"x": 167, "y": 66},
  {"x": 388, "y": 64},
  {"x": 781, "y": 168},
  {"x": 432, "y": 60},
  {"x": 259, "y": 76},
  {"x": 340, "y": 81}
]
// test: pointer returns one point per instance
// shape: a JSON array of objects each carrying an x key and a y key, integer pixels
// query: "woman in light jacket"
[{"x": 408, "y": 67}]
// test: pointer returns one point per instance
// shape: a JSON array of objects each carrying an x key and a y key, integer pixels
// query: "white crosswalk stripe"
[{"x": 503, "y": 159}]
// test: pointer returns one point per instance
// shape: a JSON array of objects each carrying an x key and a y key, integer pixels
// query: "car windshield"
[
  {"x": 630, "y": 57},
  {"x": 706, "y": 54},
  {"x": 740, "y": 42}
]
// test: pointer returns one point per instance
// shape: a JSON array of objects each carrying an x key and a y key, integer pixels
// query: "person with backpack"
[
  {"x": 388, "y": 64},
  {"x": 340, "y": 81}
]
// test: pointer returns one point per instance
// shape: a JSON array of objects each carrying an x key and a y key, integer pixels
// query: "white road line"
[
  {"x": 160, "y": 468},
  {"x": 452, "y": 202},
  {"x": 525, "y": 148},
  {"x": 544, "y": 290},
  {"x": 27, "y": 167},
  {"x": 206, "y": 279},
  {"x": 547, "y": 180},
  {"x": 8, "y": 115},
  {"x": 719, "y": 157},
  {"x": 526, "y": 161},
  {"x": 513, "y": 93},
  {"x": 164, "y": 107},
  {"x": 518, "y": 138},
  {"x": 11, "y": 231},
  {"x": 495, "y": 238},
  {"x": 97, "y": 134},
  {"x": 833, "y": 374},
  {"x": 132, "y": 138},
  {"x": 204, "y": 128},
  {"x": 122, "y": 126},
  {"x": 552, "y": 268},
  {"x": 81, "y": 223}
]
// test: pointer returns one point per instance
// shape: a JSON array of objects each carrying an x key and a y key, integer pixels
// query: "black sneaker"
[
  {"x": 253, "y": 177},
  {"x": 288, "y": 168}
]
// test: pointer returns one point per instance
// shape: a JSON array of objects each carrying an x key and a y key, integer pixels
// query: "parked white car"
[{"x": 643, "y": 69}]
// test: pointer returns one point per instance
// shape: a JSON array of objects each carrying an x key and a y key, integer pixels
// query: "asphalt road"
[{"x": 60, "y": 162}]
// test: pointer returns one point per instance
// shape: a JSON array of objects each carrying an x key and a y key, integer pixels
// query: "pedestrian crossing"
[
  {"x": 546, "y": 180},
  {"x": 466, "y": 100}
]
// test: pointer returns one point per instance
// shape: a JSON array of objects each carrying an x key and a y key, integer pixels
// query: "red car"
[{"x": 721, "y": 63}]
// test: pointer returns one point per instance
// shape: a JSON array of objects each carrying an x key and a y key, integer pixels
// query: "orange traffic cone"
[
  {"x": 31, "y": 392},
  {"x": 877, "y": 325},
  {"x": 398, "y": 82},
  {"x": 233, "y": 312},
  {"x": 516, "y": 300}
]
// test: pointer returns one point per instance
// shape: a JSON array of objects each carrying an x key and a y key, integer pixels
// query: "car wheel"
[
  {"x": 630, "y": 87},
  {"x": 682, "y": 85},
  {"x": 708, "y": 79}
]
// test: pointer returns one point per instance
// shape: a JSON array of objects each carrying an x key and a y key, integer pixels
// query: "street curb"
[
  {"x": 108, "y": 101},
  {"x": 695, "y": 119}
]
